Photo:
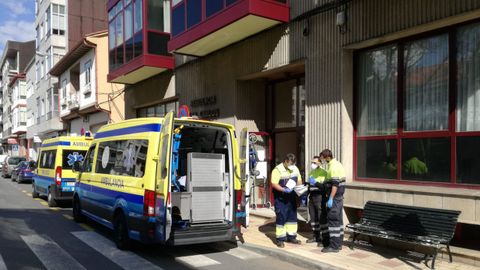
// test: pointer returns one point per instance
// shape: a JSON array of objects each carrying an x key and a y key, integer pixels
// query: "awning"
[
  {"x": 12, "y": 141},
  {"x": 37, "y": 139}
]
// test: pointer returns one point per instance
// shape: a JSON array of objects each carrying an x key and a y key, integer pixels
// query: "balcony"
[
  {"x": 200, "y": 27},
  {"x": 139, "y": 31},
  {"x": 73, "y": 102}
]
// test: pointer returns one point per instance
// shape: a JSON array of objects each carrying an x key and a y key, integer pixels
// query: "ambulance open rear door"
[
  {"x": 163, "y": 206},
  {"x": 245, "y": 176}
]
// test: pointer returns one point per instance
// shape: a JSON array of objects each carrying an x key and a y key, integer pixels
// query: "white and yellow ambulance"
[
  {"x": 53, "y": 175},
  {"x": 162, "y": 180}
]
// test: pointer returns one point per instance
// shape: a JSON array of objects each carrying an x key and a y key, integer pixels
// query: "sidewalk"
[{"x": 260, "y": 236}]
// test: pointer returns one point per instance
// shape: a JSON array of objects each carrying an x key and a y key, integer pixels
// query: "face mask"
[
  {"x": 324, "y": 162},
  {"x": 313, "y": 166},
  {"x": 291, "y": 167}
]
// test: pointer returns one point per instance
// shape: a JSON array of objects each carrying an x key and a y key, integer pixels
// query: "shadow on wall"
[{"x": 148, "y": 92}]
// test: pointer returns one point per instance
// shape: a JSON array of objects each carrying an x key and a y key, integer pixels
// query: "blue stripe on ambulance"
[
  {"x": 132, "y": 204},
  {"x": 63, "y": 143},
  {"x": 129, "y": 130}
]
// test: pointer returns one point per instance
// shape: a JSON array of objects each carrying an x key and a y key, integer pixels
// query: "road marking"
[
  {"x": 44, "y": 203},
  {"x": 243, "y": 254},
  {"x": 24, "y": 191},
  {"x": 124, "y": 259},
  {"x": 196, "y": 260},
  {"x": 50, "y": 253},
  {"x": 37, "y": 199},
  {"x": 2, "y": 264},
  {"x": 54, "y": 208},
  {"x": 68, "y": 217},
  {"x": 86, "y": 227}
]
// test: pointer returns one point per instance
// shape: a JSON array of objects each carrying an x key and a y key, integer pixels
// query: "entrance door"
[{"x": 287, "y": 121}]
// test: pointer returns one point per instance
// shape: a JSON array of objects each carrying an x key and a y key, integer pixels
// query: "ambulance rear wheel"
[
  {"x": 34, "y": 191},
  {"x": 77, "y": 210},
  {"x": 51, "y": 201},
  {"x": 122, "y": 240}
]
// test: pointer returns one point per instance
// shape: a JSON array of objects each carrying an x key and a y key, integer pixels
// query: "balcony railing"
[
  {"x": 73, "y": 102},
  {"x": 200, "y": 27}
]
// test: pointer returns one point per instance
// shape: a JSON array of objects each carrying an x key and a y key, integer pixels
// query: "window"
[
  {"x": 42, "y": 69},
  {"x": 48, "y": 60},
  {"x": 58, "y": 20},
  {"x": 125, "y": 37},
  {"x": 64, "y": 88},
  {"x": 158, "y": 110},
  {"x": 48, "y": 21},
  {"x": 88, "y": 163},
  {"x": 58, "y": 53},
  {"x": 37, "y": 121},
  {"x": 122, "y": 157},
  {"x": 88, "y": 70},
  {"x": 194, "y": 12},
  {"x": 47, "y": 159},
  {"x": 377, "y": 92},
  {"x": 70, "y": 156},
  {"x": 213, "y": 6},
  {"x": 412, "y": 81}
]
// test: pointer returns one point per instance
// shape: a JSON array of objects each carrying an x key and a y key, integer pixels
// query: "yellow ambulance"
[
  {"x": 54, "y": 177},
  {"x": 162, "y": 180}
]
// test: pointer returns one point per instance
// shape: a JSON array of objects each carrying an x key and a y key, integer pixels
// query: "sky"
[{"x": 17, "y": 21}]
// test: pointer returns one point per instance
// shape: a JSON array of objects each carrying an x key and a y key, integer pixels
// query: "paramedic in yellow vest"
[
  {"x": 335, "y": 188},
  {"x": 284, "y": 177},
  {"x": 317, "y": 203}
]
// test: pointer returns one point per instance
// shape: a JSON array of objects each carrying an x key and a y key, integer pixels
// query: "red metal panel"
[
  {"x": 232, "y": 13},
  {"x": 157, "y": 61}
]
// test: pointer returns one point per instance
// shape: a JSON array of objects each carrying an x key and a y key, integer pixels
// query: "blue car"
[{"x": 23, "y": 172}]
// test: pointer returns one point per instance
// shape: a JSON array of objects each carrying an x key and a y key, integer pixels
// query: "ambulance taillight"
[
  {"x": 149, "y": 203},
  {"x": 58, "y": 176}
]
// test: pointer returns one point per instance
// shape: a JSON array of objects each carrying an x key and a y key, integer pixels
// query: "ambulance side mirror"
[{"x": 77, "y": 166}]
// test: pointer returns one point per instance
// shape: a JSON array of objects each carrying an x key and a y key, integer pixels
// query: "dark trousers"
[
  {"x": 286, "y": 218},
  {"x": 335, "y": 223},
  {"x": 317, "y": 209}
]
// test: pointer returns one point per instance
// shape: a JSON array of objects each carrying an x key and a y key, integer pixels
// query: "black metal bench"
[{"x": 418, "y": 225}]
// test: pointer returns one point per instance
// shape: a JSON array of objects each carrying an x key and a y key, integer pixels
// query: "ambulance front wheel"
[
  {"x": 51, "y": 201},
  {"x": 77, "y": 210},
  {"x": 122, "y": 240}
]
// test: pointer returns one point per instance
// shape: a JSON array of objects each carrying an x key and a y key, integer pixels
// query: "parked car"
[
  {"x": 23, "y": 172},
  {"x": 9, "y": 164}
]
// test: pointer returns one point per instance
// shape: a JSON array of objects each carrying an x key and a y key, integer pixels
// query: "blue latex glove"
[
  {"x": 311, "y": 181},
  {"x": 287, "y": 190},
  {"x": 330, "y": 203}
]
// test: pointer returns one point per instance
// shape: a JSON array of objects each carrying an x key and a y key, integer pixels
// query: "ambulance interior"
[{"x": 202, "y": 182}]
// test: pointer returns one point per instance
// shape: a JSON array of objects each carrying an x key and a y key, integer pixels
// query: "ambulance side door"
[{"x": 163, "y": 207}]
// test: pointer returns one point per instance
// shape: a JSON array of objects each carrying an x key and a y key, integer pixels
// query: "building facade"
[
  {"x": 389, "y": 86},
  {"x": 60, "y": 24},
  {"x": 87, "y": 100},
  {"x": 14, "y": 63}
]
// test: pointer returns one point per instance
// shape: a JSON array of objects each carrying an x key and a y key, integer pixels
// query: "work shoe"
[
  {"x": 311, "y": 240},
  {"x": 329, "y": 250},
  {"x": 319, "y": 244},
  {"x": 295, "y": 241},
  {"x": 280, "y": 244}
]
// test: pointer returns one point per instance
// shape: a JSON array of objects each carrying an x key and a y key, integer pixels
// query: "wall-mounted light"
[{"x": 341, "y": 20}]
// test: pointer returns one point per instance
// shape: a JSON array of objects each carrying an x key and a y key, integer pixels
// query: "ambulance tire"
[
  {"x": 34, "y": 191},
  {"x": 77, "y": 210},
  {"x": 51, "y": 201},
  {"x": 122, "y": 240}
]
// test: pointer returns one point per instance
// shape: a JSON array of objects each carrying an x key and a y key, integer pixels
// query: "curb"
[{"x": 293, "y": 259}]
